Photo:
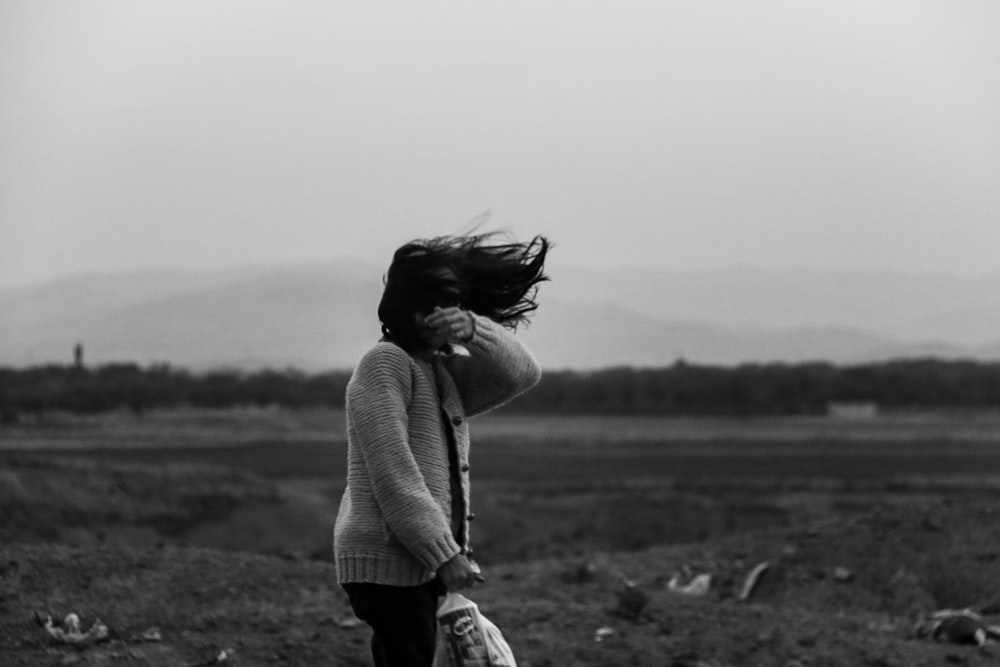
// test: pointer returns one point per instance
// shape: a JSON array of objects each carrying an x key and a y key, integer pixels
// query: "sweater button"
[
  {"x": 457, "y": 421},
  {"x": 465, "y": 467}
]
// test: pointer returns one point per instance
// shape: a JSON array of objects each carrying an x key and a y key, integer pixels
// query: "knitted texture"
[{"x": 394, "y": 525}]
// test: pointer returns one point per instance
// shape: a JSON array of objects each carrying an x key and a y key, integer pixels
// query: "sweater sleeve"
[
  {"x": 498, "y": 368},
  {"x": 377, "y": 403}
]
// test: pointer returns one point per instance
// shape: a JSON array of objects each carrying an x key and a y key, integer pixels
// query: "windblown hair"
[{"x": 496, "y": 280}]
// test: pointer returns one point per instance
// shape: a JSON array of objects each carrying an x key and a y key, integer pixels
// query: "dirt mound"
[
  {"x": 44, "y": 499},
  {"x": 842, "y": 592},
  {"x": 260, "y": 609}
]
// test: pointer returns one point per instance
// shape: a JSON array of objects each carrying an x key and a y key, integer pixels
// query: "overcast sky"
[{"x": 194, "y": 134}]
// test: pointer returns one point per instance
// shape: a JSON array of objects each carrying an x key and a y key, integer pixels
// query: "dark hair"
[{"x": 496, "y": 280}]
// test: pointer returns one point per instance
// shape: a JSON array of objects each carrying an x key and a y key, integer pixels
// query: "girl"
[{"x": 402, "y": 532}]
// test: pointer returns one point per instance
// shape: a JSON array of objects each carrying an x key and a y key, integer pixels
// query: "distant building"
[
  {"x": 78, "y": 355},
  {"x": 852, "y": 409}
]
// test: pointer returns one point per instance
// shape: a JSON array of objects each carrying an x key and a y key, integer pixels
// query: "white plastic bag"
[{"x": 466, "y": 638}]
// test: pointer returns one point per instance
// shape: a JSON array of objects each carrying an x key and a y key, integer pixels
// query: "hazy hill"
[
  {"x": 567, "y": 334},
  {"x": 892, "y": 304},
  {"x": 322, "y": 315}
]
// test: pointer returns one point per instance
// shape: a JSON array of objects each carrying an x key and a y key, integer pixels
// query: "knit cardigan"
[{"x": 394, "y": 525}]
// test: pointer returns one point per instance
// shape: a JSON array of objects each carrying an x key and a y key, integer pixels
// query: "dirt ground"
[{"x": 841, "y": 592}]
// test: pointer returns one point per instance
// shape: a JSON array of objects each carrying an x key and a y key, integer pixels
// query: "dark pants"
[{"x": 403, "y": 621}]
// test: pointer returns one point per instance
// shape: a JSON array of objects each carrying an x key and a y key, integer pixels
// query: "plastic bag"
[{"x": 466, "y": 638}]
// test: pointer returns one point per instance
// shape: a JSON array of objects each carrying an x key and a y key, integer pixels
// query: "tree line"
[
  {"x": 769, "y": 389},
  {"x": 682, "y": 388},
  {"x": 129, "y": 386}
]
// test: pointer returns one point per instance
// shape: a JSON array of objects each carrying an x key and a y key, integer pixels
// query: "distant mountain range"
[{"x": 322, "y": 316}]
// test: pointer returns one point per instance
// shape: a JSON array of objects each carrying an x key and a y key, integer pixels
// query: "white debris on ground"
[
  {"x": 697, "y": 586},
  {"x": 957, "y": 626},
  {"x": 69, "y": 631},
  {"x": 221, "y": 657},
  {"x": 752, "y": 578}
]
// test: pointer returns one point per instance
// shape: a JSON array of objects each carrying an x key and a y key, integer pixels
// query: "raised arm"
[{"x": 498, "y": 368}]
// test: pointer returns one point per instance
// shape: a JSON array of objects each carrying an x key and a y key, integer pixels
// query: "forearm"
[
  {"x": 498, "y": 368},
  {"x": 419, "y": 524},
  {"x": 407, "y": 506}
]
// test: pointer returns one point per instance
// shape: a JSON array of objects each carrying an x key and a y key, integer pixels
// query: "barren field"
[{"x": 214, "y": 528}]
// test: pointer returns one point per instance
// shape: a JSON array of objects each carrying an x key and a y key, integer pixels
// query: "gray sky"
[{"x": 193, "y": 134}]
